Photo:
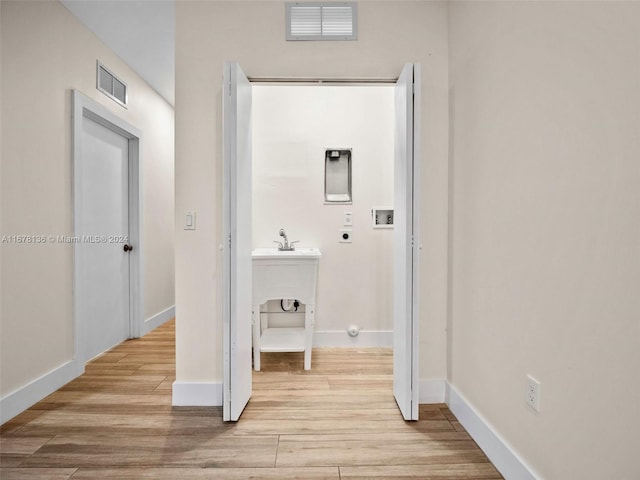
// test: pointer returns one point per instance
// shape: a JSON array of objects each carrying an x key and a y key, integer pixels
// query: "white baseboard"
[
  {"x": 432, "y": 390},
  {"x": 18, "y": 401},
  {"x": 501, "y": 454},
  {"x": 158, "y": 319},
  {"x": 340, "y": 338},
  {"x": 197, "y": 394}
]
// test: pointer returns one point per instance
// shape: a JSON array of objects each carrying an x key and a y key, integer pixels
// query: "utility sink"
[
  {"x": 285, "y": 274},
  {"x": 280, "y": 274},
  {"x": 301, "y": 252}
]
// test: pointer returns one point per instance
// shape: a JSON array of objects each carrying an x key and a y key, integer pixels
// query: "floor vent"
[
  {"x": 111, "y": 85},
  {"x": 322, "y": 21}
]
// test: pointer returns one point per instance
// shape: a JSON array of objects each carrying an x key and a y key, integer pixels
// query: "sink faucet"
[{"x": 285, "y": 246}]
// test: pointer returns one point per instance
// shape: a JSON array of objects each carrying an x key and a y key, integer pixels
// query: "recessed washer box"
[
  {"x": 337, "y": 176},
  {"x": 382, "y": 217}
]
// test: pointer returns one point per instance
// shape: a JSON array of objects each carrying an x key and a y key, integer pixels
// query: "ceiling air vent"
[
  {"x": 322, "y": 21},
  {"x": 111, "y": 85}
]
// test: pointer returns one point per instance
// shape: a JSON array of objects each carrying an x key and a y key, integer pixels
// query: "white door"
[
  {"x": 405, "y": 270},
  {"x": 104, "y": 290},
  {"x": 237, "y": 235}
]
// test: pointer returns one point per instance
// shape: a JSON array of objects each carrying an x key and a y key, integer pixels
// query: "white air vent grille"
[
  {"x": 322, "y": 21},
  {"x": 111, "y": 85}
]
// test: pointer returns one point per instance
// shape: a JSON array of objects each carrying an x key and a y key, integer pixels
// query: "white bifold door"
[
  {"x": 237, "y": 235},
  {"x": 405, "y": 243},
  {"x": 237, "y": 238}
]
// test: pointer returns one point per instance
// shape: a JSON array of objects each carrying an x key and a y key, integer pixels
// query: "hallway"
[{"x": 338, "y": 420}]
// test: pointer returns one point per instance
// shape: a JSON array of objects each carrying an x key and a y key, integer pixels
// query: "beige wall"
[
  {"x": 252, "y": 33},
  {"x": 546, "y": 234},
  {"x": 45, "y": 54},
  {"x": 292, "y": 127}
]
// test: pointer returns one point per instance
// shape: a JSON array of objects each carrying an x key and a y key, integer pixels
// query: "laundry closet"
[{"x": 308, "y": 142}]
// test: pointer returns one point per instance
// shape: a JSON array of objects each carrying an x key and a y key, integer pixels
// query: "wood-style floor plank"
[
  {"x": 476, "y": 471},
  {"x": 37, "y": 473},
  {"x": 374, "y": 449},
  {"x": 204, "y": 451},
  {"x": 337, "y": 421},
  {"x": 327, "y": 473}
]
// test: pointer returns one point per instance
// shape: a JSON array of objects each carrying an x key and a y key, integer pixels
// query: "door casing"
[{"x": 83, "y": 108}]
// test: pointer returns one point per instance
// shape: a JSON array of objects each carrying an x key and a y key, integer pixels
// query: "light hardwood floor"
[{"x": 337, "y": 421}]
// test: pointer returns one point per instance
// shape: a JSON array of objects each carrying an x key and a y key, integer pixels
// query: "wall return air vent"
[
  {"x": 111, "y": 85},
  {"x": 322, "y": 21}
]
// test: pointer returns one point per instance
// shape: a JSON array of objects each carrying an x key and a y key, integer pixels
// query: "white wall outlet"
[
  {"x": 532, "y": 396},
  {"x": 346, "y": 235},
  {"x": 348, "y": 219}
]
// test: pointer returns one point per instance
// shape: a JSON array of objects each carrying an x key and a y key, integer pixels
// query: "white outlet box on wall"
[
  {"x": 532, "y": 395},
  {"x": 346, "y": 235},
  {"x": 382, "y": 217}
]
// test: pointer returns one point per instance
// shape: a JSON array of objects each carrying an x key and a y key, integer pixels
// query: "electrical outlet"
[
  {"x": 533, "y": 393},
  {"x": 346, "y": 235}
]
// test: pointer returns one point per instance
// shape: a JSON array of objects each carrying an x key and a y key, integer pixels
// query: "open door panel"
[
  {"x": 237, "y": 242},
  {"x": 405, "y": 258}
]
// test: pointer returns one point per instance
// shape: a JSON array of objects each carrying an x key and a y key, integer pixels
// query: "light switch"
[
  {"x": 190, "y": 221},
  {"x": 348, "y": 219}
]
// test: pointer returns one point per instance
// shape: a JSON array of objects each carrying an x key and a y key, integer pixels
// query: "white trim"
[
  {"x": 158, "y": 319},
  {"x": 196, "y": 394},
  {"x": 366, "y": 338},
  {"x": 136, "y": 257},
  {"x": 417, "y": 239},
  {"x": 19, "y": 400},
  {"x": 501, "y": 454},
  {"x": 432, "y": 390},
  {"x": 85, "y": 107}
]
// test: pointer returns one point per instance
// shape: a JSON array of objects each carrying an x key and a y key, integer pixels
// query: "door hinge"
[{"x": 229, "y": 240}]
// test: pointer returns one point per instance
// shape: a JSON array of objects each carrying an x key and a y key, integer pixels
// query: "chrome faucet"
[{"x": 285, "y": 246}]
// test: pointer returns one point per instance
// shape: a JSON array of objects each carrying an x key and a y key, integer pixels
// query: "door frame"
[
  {"x": 83, "y": 108},
  {"x": 415, "y": 187}
]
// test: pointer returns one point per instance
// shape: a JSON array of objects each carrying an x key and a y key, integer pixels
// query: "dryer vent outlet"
[{"x": 346, "y": 235}]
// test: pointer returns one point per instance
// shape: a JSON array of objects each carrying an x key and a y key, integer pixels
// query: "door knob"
[{"x": 128, "y": 248}]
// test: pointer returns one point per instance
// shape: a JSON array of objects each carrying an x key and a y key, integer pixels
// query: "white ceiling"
[{"x": 141, "y": 32}]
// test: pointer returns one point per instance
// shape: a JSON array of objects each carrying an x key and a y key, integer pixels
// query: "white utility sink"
[
  {"x": 279, "y": 275},
  {"x": 300, "y": 252},
  {"x": 285, "y": 274}
]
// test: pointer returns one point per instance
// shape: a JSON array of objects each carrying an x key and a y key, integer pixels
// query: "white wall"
[
  {"x": 292, "y": 127},
  {"x": 546, "y": 232},
  {"x": 391, "y": 33},
  {"x": 45, "y": 54}
]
